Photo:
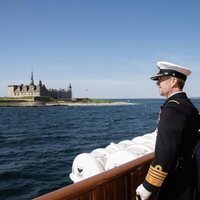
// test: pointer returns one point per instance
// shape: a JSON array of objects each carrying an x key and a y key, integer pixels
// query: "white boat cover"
[{"x": 99, "y": 160}]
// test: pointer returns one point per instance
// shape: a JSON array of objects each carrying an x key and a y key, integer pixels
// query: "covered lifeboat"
[{"x": 99, "y": 160}]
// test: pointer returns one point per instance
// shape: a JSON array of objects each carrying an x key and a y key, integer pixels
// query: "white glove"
[{"x": 142, "y": 192}]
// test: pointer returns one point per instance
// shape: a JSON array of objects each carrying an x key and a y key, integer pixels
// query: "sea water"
[{"x": 39, "y": 144}]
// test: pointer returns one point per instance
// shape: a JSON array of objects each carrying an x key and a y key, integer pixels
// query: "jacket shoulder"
[{"x": 173, "y": 101}]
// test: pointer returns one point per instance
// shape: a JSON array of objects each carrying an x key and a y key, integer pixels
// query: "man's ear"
[{"x": 174, "y": 82}]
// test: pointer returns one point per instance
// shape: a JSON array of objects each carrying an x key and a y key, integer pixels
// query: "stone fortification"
[{"x": 38, "y": 90}]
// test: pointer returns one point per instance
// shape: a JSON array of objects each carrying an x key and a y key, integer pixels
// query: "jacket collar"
[{"x": 180, "y": 95}]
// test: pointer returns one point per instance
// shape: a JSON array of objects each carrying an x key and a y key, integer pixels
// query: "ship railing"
[{"x": 118, "y": 183}]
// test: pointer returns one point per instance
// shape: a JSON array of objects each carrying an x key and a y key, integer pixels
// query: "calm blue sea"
[{"x": 39, "y": 144}]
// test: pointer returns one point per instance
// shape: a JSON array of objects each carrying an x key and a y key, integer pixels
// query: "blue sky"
[{"x": 104, "y": 48}]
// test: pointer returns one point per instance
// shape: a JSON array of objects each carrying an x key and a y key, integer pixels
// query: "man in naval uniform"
[{"x": 172, "y": 173}]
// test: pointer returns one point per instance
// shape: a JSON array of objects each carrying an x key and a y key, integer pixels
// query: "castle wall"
[
  {"x": 11, "y": 89},
  {"x": 23, "y": 90},
  {"x": 37, "y": 90}
]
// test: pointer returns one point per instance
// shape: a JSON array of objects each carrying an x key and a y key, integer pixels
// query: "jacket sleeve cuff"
[
  {"x": 154, "y": 178},
  {"x": 149, "y": 187}
]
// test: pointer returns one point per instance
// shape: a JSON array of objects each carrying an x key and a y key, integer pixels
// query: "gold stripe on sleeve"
[{"x": 155, "y": 175}]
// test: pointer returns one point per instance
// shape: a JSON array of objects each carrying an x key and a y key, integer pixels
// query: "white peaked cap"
[{"x": 171, "y": 69}]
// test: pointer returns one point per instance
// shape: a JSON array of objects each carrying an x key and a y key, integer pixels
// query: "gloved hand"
[{"x": 142, "y": 193}]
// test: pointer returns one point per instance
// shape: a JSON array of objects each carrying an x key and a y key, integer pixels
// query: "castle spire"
[{"x": 32, "y": 80}]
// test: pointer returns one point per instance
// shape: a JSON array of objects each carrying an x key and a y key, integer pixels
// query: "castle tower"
[
  {"x": 69, "y": 91},
  {"x": 32, "y": 80},
  {"x": 70, "y": 87},
  {"x": 40, "y": 83}
]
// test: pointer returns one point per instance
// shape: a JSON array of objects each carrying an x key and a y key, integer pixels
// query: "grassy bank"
[
  {"x": 25, "y": 101},
  {"x": 3, "y": 99},
  {"x": 87, "y": 100},
  {"x": 10, "y": 101}
]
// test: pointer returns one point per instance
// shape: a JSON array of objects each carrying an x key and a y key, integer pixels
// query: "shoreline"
[
  {"x": 50, "y": 104},
  {"x": 91, "y": 104}
]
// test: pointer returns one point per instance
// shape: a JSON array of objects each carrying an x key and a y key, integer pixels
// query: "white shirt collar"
[{"x": 175, "y": 93}]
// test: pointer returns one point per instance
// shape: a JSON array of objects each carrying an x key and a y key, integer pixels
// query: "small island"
[
  {"x": 49, "y": 101},
  {"x": 38, "y": 95}
]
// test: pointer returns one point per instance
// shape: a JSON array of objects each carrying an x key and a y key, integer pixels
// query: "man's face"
[{"x": 164, "y": 85}]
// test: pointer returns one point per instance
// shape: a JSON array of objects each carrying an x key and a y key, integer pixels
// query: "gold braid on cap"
[{"x": 155, "y": 175}]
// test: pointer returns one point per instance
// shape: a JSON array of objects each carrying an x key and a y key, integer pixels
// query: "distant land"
[{"x": 48, "y": 101}]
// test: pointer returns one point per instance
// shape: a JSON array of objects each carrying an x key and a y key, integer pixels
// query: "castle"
[{"x": 38, "y": 90}]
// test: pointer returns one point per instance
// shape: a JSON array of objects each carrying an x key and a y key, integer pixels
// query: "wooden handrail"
[{"x": 128, "y": 176}]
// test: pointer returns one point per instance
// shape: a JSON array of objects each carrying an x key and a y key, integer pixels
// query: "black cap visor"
[
  {"x": 165, "y": 72},
  {"x": 155, "y": 78}
]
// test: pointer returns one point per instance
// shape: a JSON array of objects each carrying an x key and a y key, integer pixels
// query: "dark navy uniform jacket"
[{"x": 173, "y": 171}]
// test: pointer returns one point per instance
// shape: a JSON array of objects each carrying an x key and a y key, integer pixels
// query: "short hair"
[{"x": 180, "y": 83}]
